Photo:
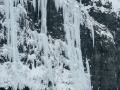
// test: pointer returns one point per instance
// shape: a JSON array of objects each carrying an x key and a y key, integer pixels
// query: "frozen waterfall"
[{"x": 27, "y": 50}]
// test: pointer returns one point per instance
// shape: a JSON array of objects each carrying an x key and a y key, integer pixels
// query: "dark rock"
[
  {"x": 55, "y": 21},
  {"x": 105, "y": 55}
]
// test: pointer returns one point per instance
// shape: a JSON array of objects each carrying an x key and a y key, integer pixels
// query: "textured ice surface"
[{"x": 64, "y": 69}]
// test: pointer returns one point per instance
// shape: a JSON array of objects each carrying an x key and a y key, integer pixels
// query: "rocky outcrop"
[{"x": 104, "y": 57}]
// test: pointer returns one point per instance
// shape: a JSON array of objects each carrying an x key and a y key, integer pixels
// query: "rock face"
[{"x": 103, "y": 56}]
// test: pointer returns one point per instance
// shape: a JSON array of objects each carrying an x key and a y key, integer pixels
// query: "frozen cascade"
[
  {"x": 34, "y": 4},
  {"x": 12, "y": 38},
  {"x": 72, "y": 19},
  {"x": 13, "y": 43},
  {"x": 40, "y": 39},
  {"x": 38, "y": 77}
]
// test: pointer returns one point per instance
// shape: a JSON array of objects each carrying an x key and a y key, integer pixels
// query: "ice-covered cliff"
[
  {"x": 59, "y": 44},
  {"x": 31, "y": 56}
]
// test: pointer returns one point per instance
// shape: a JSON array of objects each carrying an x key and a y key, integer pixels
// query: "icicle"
[
  {"x": 43, "y": 17},
  {"x": 13, "y": 42},
  {"x": 88, "y": 72},
  {"x": 92, "y": 31},
  {"x": 39, "y": 3},
  {"x": 59, "y": 3},
  {"x": 34, "y": 5},
  {"x": 7, "y": 17},
  {"x": 89, "y": 24}
]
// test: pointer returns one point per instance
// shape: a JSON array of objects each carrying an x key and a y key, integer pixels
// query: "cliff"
[{"x": 59, "y": 45}]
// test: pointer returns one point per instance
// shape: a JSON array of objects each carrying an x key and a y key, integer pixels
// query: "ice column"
[
  {"x": 43, "y": 39},
  {"x": 72, "y": 16},
  {"x": 42, "y": 5},
  {"x": 12, "y": 38},
  {"x": 88, "y": 74}
]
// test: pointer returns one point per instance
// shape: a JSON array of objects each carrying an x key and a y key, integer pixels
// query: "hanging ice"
[
  {"x": 72, "y": 19},
  {"x": 63, "y": 69}
]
